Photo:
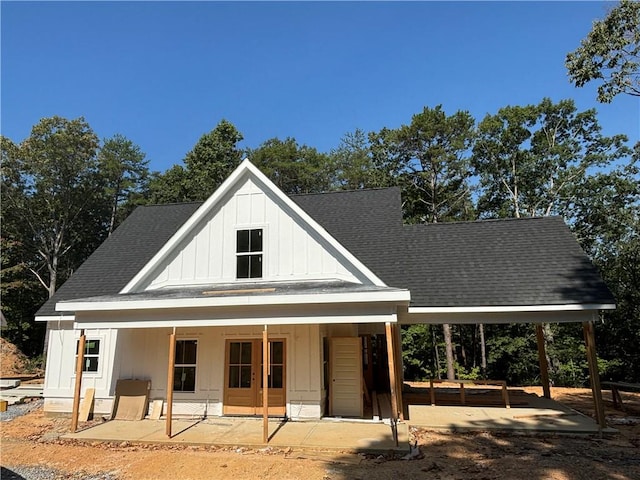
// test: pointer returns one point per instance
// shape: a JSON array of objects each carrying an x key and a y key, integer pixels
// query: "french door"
[{"x": 243, "y": 377}]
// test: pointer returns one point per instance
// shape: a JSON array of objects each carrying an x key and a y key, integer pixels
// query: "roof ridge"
[
  {"x": 484, "y": 220},
  {"x": 193, "y": 202},
  {"x": 357, "y": 190}
]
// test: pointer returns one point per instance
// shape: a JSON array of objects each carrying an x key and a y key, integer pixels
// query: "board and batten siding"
[
  {"x": 143, "y": 354},
  {"x": 292, "y": 250},
  {"x": 60, "y": 373}
]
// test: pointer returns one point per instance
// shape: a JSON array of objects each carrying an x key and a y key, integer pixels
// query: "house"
[{"x": 325, "y": 278}]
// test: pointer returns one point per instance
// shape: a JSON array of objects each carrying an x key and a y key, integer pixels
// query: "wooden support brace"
[
  {"x": 76, "y": 392},
  {"x": 399, "y": 369},
  {"x": 594, "y": 376},
  {"x": 392, "y": 371},
  {"x": 542, "y": 358},
  {"x": 265, "y": 385},
  {"x": 170, "y": 373}
]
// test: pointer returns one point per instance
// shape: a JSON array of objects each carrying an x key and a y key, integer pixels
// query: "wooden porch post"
[
  {"x": 399, "y": 368},
  {"x": 542, "y": 357},
  {"x": 392, "y": 370},
  {"x": 76, "y": 393},
  {"x": 265, "y": 385},
  {"x": 594, "y": 376},
  {"x": 170, "y": 373}
]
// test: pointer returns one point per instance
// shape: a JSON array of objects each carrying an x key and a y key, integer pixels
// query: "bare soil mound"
[{"x": 13, "y": 363}]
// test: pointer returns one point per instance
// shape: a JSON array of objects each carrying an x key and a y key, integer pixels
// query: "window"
[
  {"x": 249, "y": 253},
  {"x": 91, "y": 355},
  {"x": 184, "y": 370}
]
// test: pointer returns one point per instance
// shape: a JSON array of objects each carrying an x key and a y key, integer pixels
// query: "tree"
[
  {"x": 206, "y": 166},
  {"x": 355, "y": 167},
  {"x": 429, "y": 159},
  {"x": 611, "y": 53},
  {"x": 293, "y": 168},
  {"x": 212, "y": 159},
  {"x": 124, "y": 170},
  {"x": 530, "y": 159},
  {"x": 52, "y": 197}
]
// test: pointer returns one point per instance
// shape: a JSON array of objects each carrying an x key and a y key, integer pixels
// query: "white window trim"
[{"x": 101, "y": 356}]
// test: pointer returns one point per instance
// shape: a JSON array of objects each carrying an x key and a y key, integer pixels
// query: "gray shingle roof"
[
  {"x": 529, "y": 261},
  {"x": 534, "y": 261},
  {"x": 123, "y": 254}
]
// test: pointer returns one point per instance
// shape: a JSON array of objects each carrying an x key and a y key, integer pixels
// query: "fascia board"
[
  {"x": 396, "y": 296},
  {"x": 513, "y": 308},
  {"x": 234, "y": 322},
  {"x": 55, "y": 318}
]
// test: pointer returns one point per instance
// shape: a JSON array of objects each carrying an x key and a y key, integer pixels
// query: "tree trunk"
[
  {"x": 552, "y": 362},
  {"x": 463, "y": 352},
  {"x": 448, "y": 345},
  {"x": 437, "y": 355},
  {"x": 483, "y": 352}
]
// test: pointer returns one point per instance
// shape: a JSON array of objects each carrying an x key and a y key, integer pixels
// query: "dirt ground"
[{"x": 32, "y": 441}]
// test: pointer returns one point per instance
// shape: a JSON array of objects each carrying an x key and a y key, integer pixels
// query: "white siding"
[
  {"x": 60, "y": 372},
  {"x": 292, "y": 250},
  {"x": 143, "y": 354}
]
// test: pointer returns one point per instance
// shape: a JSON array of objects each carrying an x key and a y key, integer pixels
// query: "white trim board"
[
  {"x": 458, "y": 318},
  {"x": 395, "y": 296},
  {"x": 512, "y": 308}
]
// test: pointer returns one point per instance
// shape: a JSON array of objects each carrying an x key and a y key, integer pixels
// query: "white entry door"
[{"x": 346, "y": 377}]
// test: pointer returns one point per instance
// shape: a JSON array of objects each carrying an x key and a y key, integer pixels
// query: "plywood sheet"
[
  {"x": 132, "y": 399},
  {"x": 86, "y": 406},
  {"x": 156, "y": 409}
]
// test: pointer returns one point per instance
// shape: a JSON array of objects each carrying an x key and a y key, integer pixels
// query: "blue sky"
[{"x": 164, "y": 73}]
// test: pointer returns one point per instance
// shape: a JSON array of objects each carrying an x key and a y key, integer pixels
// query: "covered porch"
[{"x": 542, "y": 411}]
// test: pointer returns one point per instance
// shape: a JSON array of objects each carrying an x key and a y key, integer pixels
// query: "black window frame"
[
  {"x": 182, "y": 369},
  {"x": 91, "y": 362},
  {"x": 249, "y": 253}
]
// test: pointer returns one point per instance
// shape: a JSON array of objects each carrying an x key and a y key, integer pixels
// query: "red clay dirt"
[{"x": 31, "y": 440}]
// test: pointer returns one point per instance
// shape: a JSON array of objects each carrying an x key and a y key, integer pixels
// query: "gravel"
[
  {"x": 20, "y": 409},
  {"x": 45, "y": 473}
]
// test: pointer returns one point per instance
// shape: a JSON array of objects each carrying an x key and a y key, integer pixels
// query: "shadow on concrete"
[{"x": 6, "y": 474}]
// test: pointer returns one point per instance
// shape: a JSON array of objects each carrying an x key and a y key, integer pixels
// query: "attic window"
[{"x": 249, "y": 253}]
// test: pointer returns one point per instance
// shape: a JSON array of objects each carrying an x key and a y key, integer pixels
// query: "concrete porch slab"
[
  {"x": 247, "y": 432},
  {"x": 537, "y": 414}
]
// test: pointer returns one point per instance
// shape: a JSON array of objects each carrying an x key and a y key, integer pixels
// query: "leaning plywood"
[
  {"x": 132, "y": 399},
  {"x": 87, "y": 405},
  {"x": 156, "y": 409}
]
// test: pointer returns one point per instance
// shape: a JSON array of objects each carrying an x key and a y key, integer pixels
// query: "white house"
[{"x": 327, "y": 278}]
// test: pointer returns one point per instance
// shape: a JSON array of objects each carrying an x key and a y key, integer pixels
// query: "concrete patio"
[
  {"x": 326, "y": 434},
  {"x": 529, "y": 413}
]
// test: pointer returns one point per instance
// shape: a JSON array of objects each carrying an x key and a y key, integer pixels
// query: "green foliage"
[
  {"x": 293, "y": 168},
  {"x": 21, "y": 296},
  {"x": 428, "y": 159},
  {"x": 207, "y": 165},
  {"x": 355, "y": 165},
  {"x": 467, "y": 374},
  {"x": 53, "y": 199},
  {"x": 512, "y": 353},
  {"x": 531, "y": 159},
  {"x": 417, "y": 356},
  {"x": 124, "y": 172},
  {"x": 610, "y": 53}
]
